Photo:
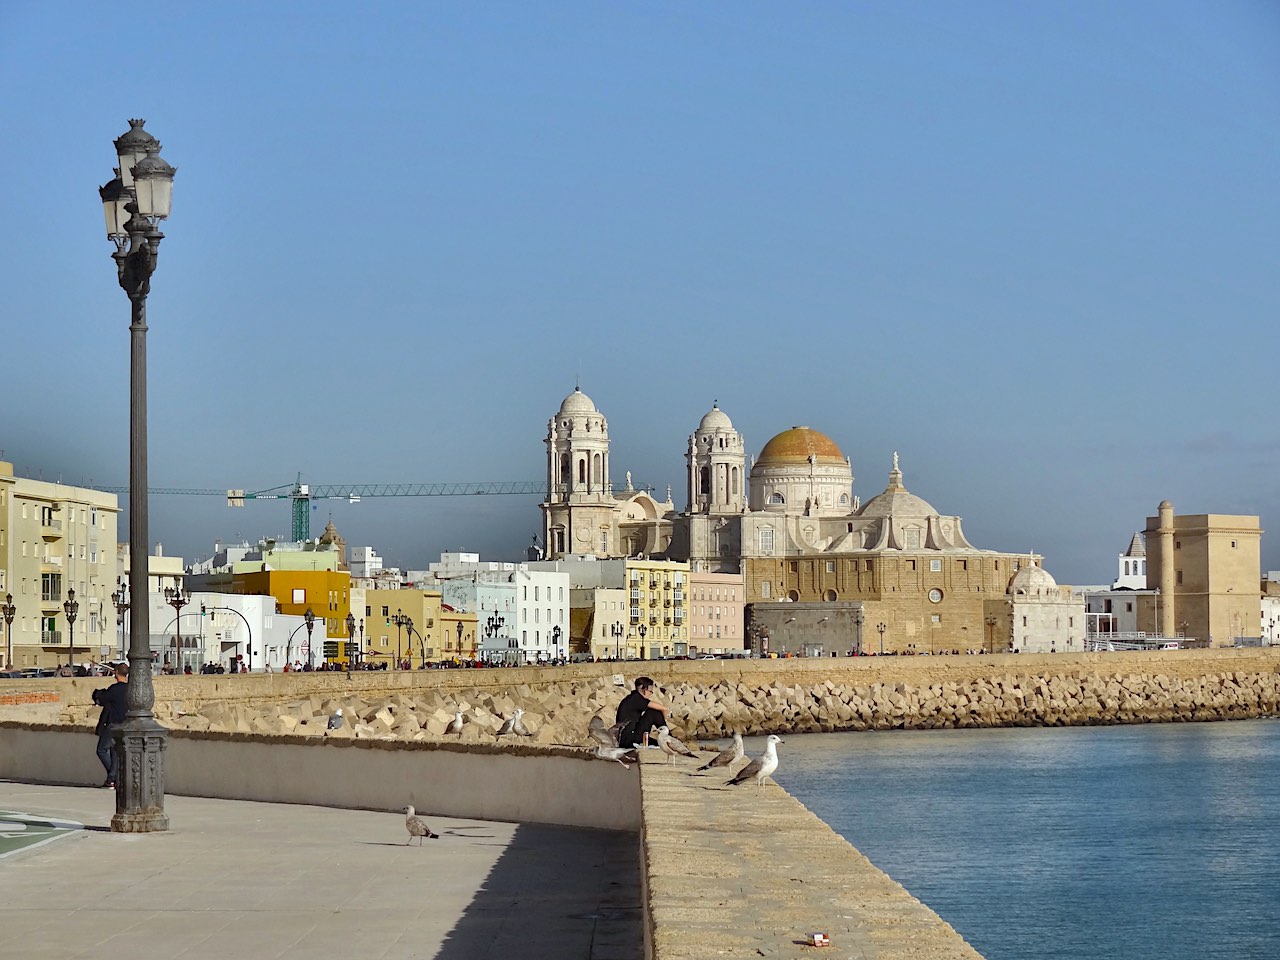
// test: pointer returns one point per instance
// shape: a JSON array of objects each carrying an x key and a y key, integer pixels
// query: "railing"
[
  {"x": 53, "y": 525},
  {"x": 50, "y": 636}
]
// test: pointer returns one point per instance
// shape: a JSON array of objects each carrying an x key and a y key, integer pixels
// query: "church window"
[
  {"x": 1128, "y": 607},
  {"x": 831, "y": 566},
  {"x": 766, "y": 541},
  {"x": 911, "y": 565},
  {"x": 604, "y": 541},
  {"x": 765, "y": 587},
  {"x": 913, "y": 538},
  {"x": 964, "y": 564},
  {"x": 935, "y": 566},
  {"x": 704, "y": 480},
  {"x": 844, "y": 498},
  {"x": 936, "y": 618},
  {"x": 776, "y": 499},
  {"x": 831, "y": 596},
  {"x": 795, "y": 567},
  {"x": 582, "y": 471},
  {"x": 1179, "y": 577},
  {"x": 733, "y": 481},
  {"x": 870, "y": 565}
]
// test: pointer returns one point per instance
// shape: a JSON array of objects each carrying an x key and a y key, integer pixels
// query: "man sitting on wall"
[{"x": 639, "y": 713}]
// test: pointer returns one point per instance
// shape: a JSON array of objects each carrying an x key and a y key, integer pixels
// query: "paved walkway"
[{"x": 280, "y": 882}]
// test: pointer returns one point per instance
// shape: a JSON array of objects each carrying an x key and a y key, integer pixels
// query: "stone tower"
[
  {"x": 577, "y": 512},
  {"x": 716, "y": 467}
]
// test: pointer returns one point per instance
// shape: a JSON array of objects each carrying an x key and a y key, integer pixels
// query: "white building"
[
  {"x": 1131, "y": 566},
  {"x": 1046, "y": 618},
  {"x": 522, "y": 612}
]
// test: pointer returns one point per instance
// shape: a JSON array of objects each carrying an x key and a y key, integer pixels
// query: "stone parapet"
[{"x": 750, "y": 872}]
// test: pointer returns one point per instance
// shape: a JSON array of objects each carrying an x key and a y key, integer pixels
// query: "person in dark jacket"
[
  {"x": 640, "y": 713},
  {"x": 113, "y": 700}
]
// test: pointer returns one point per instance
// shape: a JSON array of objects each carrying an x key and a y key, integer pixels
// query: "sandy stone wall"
[{"x": 709, "y": 698}]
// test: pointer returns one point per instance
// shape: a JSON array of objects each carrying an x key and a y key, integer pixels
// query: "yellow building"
[
  {"x": 326, "y": 593},
  {"x": 657, "y": 621},
  {"x": 1206, "y": 567},
  {"x": 459, "y": 635},
  {"x": 408, "y": 626}
]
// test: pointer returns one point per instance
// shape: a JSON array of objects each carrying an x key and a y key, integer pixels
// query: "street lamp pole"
[
  {"x": 134, "y": 203},
  {"x": 857, "y": 622},
  {"x": 881, "y": 628},
  {"x": 71, "y": 607},
  {"x": 352, "y": 658},
  {"x": 121, "y": 600},
  {"x": 991, "y": 633},
  {"x": 459, "y": 640},
  {"x": 643, "y": 631},
  {"x": 177, "y": 598},
  {"x": 398, "y": 620},
  {"x": 8, "y": 611},
  {"x": 555, "y": 639},
  {"x": 309, "y": 618}
]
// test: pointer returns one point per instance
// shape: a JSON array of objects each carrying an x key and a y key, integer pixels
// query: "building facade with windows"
[
  {"x": 716, "y": 605},
  {"x": 56, "y": 538}
]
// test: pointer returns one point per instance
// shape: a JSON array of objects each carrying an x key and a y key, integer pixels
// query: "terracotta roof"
[{"x": 796, "y": 445}]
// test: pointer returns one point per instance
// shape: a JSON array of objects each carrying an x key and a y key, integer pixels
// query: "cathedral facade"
[{"x": 891, "y": 573}]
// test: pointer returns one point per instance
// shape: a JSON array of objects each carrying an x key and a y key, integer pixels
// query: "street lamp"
[
  {"x": 121, "y": 600},
  {"x": 309, "y": 618},
  {"x": 399, "y": 620},
  {"x": 555, "y": 639},
  {"x": 352, "y": 659},
  {"x": 134, "y": 203},
  {"x": 175, "y": 597},
  {"x": 459, "y": 640},
  {"x": 857, "y": 622},
  {"x": 880, "y": 629},
  {"x": 71, "y": 607},
  {"x": 8, "y": 611},
  {"x": 991, "y": 632},
  {"x": 643, "y": 631},
  {"x": 617, "y": 630}
]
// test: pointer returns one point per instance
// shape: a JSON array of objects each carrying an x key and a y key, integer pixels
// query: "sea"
[{"x": 1149, "y": 842}]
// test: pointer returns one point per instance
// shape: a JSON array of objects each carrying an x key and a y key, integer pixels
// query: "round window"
[{"x": 935, "y": 595}]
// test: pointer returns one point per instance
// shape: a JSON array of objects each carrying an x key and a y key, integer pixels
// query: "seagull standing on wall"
[
  {"x": 728, "y": 756},
  {"x": 671, "y": 746},
  {"x": 762, "y": 767},
  {"x": 514, "y": 724}
]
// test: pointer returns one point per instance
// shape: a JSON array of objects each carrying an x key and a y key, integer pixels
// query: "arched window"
[
  {"x": 775, "y": 499},
  {"x": 704, "y": 480},
  {"x": 582, "y": 471},
  {"x": 566, "y": 473},
  {"x": 733, "y": 481},
  {"x": 830, "y": 596}
]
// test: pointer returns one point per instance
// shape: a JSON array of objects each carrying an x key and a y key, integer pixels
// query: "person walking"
[
  {"x": 113, "y": 700},
  {"x": 640, "y": 713}
]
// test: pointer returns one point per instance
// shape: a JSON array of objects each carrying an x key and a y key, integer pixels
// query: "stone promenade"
[{"x": 260, "y": 881}]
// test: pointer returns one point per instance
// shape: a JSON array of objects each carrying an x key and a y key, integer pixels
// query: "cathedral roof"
[
  {"x": 715, "y": 419},
  {"x": 577, "y": 403},
  {"x": 1137, "y": 546},
  {"x": 796, "y": 446},
  {"x": 896, "y": 501},
  {"x": 1033, "y": 581}
]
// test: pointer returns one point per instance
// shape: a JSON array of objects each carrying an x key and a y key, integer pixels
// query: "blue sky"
[{"x": 1032, "y": 247}]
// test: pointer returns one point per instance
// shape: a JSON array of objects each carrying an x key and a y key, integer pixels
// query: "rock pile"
[{"x": 557, "y": 712}]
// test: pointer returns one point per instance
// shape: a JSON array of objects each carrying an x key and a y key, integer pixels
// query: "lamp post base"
[{"x": 140, "y": 745}]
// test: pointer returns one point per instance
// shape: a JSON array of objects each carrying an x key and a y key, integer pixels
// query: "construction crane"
[{"x": 301, "y": 494}]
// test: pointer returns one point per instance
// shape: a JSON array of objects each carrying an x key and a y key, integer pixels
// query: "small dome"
[
  {"x": 1033, "y": 581},
  {"x": 796, "y": 446},
  {"x": 896, "y": 501},
  {"x": 715, "y": 419},
  {"x": 577, "y": 404}
]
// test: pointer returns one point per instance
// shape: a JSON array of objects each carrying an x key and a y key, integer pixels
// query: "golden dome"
[{"x": 796, "y": 446}]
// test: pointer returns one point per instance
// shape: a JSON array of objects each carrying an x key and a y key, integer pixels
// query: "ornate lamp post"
[
  {"x": 459, "y": 640},
  {"x": 617, "y": 631},
  {"x": 857, "y": 622},
  {"x": 134, "y": 203},
  {"x": 555, "y": 639},
  {"x": 399, "y": 620},
  {"x": 121, "y": 600},
  {"x": 71, "y": 607},
  {"x": 880, "y": 629},
  {"x": 8, "y": 611},
  {"x": 352, "y": 658},
  {"x": 643, "y": 631},
  {"x": 493, "y": 625},
  {"x": 177, "y": 598},
  {"x": 309, "y": 618}
]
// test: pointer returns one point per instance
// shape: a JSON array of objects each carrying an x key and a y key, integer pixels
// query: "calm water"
[{"x": 1156, "y": 842}]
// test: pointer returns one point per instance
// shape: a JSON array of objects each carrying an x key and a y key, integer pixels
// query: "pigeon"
[
  {"x": 455, "y": 725},
  {"x": 621, "y": 754},
  {"x": 514, "y": 724},
  {"x": 761, "y": 767},
  {"x": 605, "y": 736},
  {"x": 334, "y": 722},
  {"x": 417, "y": 827},
  {"x": 726, "y": 757},
  {"x": 671, "y": 746}
]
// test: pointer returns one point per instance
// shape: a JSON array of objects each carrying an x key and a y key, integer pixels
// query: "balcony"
[
  {"x": 666, "y": 602},
  {"x": 679, "y": 596},
  {"x": 48, "y": 637},
  {"x": 53, "y": 560},
  {"x": 653, "y": 618},
  {"x": 653, "y": 601},
  {"x": 653, "y": 584},
  {"x": 666, "y": 620},
  {"x": 51, "y": 529}
]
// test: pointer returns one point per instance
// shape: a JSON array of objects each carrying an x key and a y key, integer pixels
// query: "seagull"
[
  {"x": 417, "y": 827},
  {"x": 605, "y": 736},
  {"x": 514, "y": 724},
  {"x": 671, "y": 746},
  {"x": 621, "y": 754},
  {"x": 761, "y": 767},
  {"x": 334, "y": 722},
  {"x": 517, "y": 724},
  {"x": 726, "y": 757},
  {"x": 455, "y": 725}
]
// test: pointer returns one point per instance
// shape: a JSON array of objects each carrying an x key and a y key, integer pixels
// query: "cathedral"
[{"x": 892, "y": 573}]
